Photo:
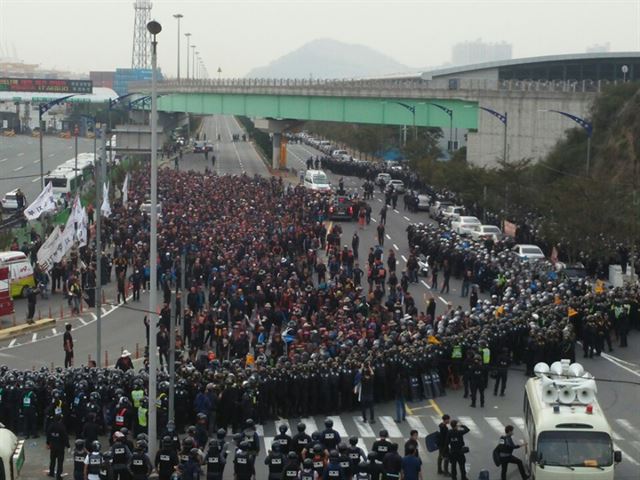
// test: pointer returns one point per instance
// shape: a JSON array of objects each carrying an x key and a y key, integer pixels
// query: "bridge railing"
[{"x": 224, "y": 85}]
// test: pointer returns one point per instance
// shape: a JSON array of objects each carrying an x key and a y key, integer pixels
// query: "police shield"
[
  {"x": 414, "y": 387},
  {"x": 427, "y": 386},
  {"x": 436, "y": 385}
]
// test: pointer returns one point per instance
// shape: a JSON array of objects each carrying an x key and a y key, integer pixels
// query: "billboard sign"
[{"x": 46, "y": 85}]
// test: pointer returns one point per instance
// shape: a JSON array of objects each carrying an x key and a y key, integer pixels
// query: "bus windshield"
[
  {"x": 575, "y": 449},
  {"x": 56, "y": 182}
]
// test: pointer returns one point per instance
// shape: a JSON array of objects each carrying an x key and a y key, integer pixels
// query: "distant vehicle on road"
[
  {"x": 436, "y": 208},
  {"x": 424, "y": 201},
  {"x": 463, "y": 225},
  {"x": 398, "y": 185},
  {"x": 451, "y": 211},
  {"x": 64, "y": 182},
  {"x": 529, "y": 252},
  {"x": 10, "y": 201},
  {"x": 382, "y": 179},
  {"x": 6, "y": 300},
  {"x": 480, "y": 232},
  {"x": 20, "y": 272},
  {"x": 317, "y": 180},
  {"x": 198, "y": 147},
  {"x": 146, "y": 208},
  {"x": 342, "y": 207}
]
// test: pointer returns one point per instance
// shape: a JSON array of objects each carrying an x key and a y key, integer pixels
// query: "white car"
[
  {"x": 464, "y": 225},
  {"x": 529, "y": 252},
  {"x": 424, "y": 201},
  {"x": 383, "y": 179},
  {"x": 437, "y": 207},
  {"x": 480, "y": 232},
  {"x": 10, "y": 201},
  {"x": 317, "y": 180},
  {"x": 398, "y": 186},
  {"x": 339, "y": 153},
  {"x": 451, "y": 211}
]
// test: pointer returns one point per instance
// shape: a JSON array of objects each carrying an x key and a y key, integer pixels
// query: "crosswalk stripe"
[
  {"x": 468, "y": 421},
  {"x": 416, "y": 424},
  {"x": 260, "y": 430},
  {"x": 268, "y": 441},
  {"x": 392, "y": 428},
  {"x": 282, "y": 421},
  {"x": 436, "y": 420},
  {"x": 518, "y": 422},
  {"x": 495, "y": 424},
  {"x": 616, "y": 436},
  {"x": 310, "y": 422},
  {"x": 626, "y": 425},
  {"x": 625, "y": 455},
  {"x": 364, "y": 429},
  {"x": 339, "y": 427},
  {"x": 363, "y": 446}
]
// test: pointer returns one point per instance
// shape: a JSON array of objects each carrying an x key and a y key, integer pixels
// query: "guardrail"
[{"x": 453, "y": 84}]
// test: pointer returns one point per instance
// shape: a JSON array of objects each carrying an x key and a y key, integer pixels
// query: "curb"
[{"x": 11, "y": 332}]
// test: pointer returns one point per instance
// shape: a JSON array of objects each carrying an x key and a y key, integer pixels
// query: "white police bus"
[{"x": 568, "y": 434}]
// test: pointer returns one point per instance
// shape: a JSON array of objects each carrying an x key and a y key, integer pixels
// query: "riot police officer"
[
  {"x": 330, "y": 437},
  {"x": 307, "y": 472},
  {"x": 283, "y": 439},
  {"x": 275, "y": 461},
  {"x": 292, "y": 468},
  {"x": 243, "y": 467},
  {"x": 120, "y": 457},
  {"x": 93, "y": 461},
  {"x": 216, "y": 459},
  {"x": 79, "y": 455},
  {"x": 139, "y": 464},
  {"x": 356, "y": 454},
  {"x": 301, "y": 440},
  {"x": 166, "y": 458},
  {"x": 381, "y": 446},
  {"x": 333, "y": 470}
]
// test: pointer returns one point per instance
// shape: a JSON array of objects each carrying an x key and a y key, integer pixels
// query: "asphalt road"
[
  {"x": 618, "y": 373},
  {"x": 20, "y": 160}
]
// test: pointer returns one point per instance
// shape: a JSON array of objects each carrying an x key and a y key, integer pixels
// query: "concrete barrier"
[{"x": 11, "y": 332}]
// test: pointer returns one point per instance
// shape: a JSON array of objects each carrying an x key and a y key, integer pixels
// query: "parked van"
[
  {"x": 317, "y": 180},
  {"x": 20, "y": 272}
]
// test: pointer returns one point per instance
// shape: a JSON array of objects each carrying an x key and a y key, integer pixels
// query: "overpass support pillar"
[{"x": 277, "y": 144}]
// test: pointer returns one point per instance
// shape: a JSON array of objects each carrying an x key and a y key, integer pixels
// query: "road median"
[{"x": 17, "y": 330}]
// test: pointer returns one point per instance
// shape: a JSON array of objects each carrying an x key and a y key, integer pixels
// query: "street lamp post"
[
  {"x": 188, "y": 35},
  {"x": 42, "y": 109},
  {"x": 586, "y": 125},
  {"x": 219, "y": 73},
  {"x": 412, "y": 109},
  {"x": 193, "y": 61},
  {"x": 625, "y": 70},
  {"x": 449, "y": 112},
  {"x": 154, "y": 28},
  {"x": 503, "y": 118},
  {"x": 197, "y": 65},
  {"x": 178, "y": 16}
]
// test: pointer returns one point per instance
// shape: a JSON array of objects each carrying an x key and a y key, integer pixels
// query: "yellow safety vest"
[
  {"x": 136, "y": 396},
  {"x": 486, "y": 356},
  {"x": 142, "y": 416},
  {"x": 457, "y": 352}
]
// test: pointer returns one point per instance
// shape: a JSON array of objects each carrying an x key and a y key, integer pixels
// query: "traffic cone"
[
  {"x": 61, "y": 312},
  {"x": 14, "y": 319}
]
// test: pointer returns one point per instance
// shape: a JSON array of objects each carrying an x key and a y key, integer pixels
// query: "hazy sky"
[{"x": 237, "y": 35}]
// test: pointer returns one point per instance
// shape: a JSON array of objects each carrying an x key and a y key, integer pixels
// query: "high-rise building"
[{"x": 477, "y": 51}]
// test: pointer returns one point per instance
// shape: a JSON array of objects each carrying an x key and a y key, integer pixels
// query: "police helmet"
[
  {"x": 79, "y": 444},
  {"x": 124, "y": 431},
  {"x": 301, "y": 427},
  {"x": 353, "y": 441},
  {"x": 187, "y": 443},
  {"x": 249, "y": 423},
  {"x": 213, "y": 443},
  {"x": 371, "y": 456},
  {"x": 292, "y": 456},
  {"x": 316, "y": 436},
  {"x": 276, "y": 447},
  {"x": 283, "y": 428},
  {"x": 167, "y": 442},
  {"x": 308, "y": 463},
  {"x": 244, "y": 445},
  {"x": 107, "y": 456},
  {"x": 221, "y": 433},
  {"x": 333, "y": 454},
  {"x": 96, "y": 446},
  {"x": 194, "y": 453},
  {"x": 383, "y": 433},
  {"x": 142, "y": 436},
  {"x": 328, "y": 423},
  {"x": 141, "y": 445},
  {"x": 317, "y": 449},
  {"x": 342, "y": 447},
  {"x": 191, "y": 430}
]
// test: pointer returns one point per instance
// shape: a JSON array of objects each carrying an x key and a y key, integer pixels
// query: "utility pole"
[{"x": 98, "y": 213}]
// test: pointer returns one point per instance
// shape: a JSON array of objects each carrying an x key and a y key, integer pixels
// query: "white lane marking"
[
  {"x": 626, "y": 425},
  {"x": 70, "y": 146},
  {"x": 4, "y": 160},
  {"x": 36, "y": 161},
  {"x": 21, "y": 154},
  {"x": 396, "y": 210},
  {"x": 436, "y": 420},
  {"x": 443, "y": 301},
  {"x": 396, "y": 246},
  {"x": 468, "y": 421},
  {"x": 363, "y": 446},
  {"x": 407, "y": 218},
  {"x": 82, "y": 321},
  {"x": 260, "y": 430},
  {"x": 17, "y": 169},
  {"x": 416, "y": 424},
  {"x": 495, "y": 424},
  {"x": 268, "y": 441},
  {"x": 625, "y": 455},
  {"x": 55, "y": 332},
  {"x": 374, "y": 220},
  {"x": 34, "y": 337},
  {"x": 339, "y": 427},
  {"x": 519, "y": 422},
  {"x": 387, "y": 235},
  {"x": 380, "y": 200},
  {"x": 52, "y": 155},
  {"x": 93, "y": 315},
  {"x": 616, "y": 361},
  {"x": 425, "y": 284},
  {"x": 404, "y": 258},
  {"x": 37, "y": 179},
  {"x": 311, "y": 425},
  {"x": 391, "y": 427},
  {"x": 364, "y": 429},
  {"x": 282, "y": 421},
  {"x": 13, "y": 342}
]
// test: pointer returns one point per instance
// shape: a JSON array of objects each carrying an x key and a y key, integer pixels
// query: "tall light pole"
[
  {"x": 197, "y": 64},
  {"x": 178, "y": 16},
  {"x": 154, "y": 29},
  {"x": 193, "y": 61},
  {"x": 219, "y": 73},
  {"x": 42, "y": 109},
  {"x": 188, "y": 35},
  {"x": 585, "y": 124},
  {"x": 449, "y": 112}
]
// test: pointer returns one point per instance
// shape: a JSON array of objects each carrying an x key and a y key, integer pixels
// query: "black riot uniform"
[
  {"x": 215, "y": 459},
  {"x": 283, "y": 439},
  {"x": 166, "y": 459},
  {"x": 79, "y": 454},
  {"x": 381, "y": 447},
  {"x": 140, "y": 465},
  {"x": 275, "y": 461},
  {"x": 292, "y": 468},
  {"x": 329, "y": 437},
  {"x": 243, "y": 467},
  {"x": 301, "y": 440}
]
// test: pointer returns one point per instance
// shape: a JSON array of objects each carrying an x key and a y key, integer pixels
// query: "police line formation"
[{"x": 287, "y": 340}]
